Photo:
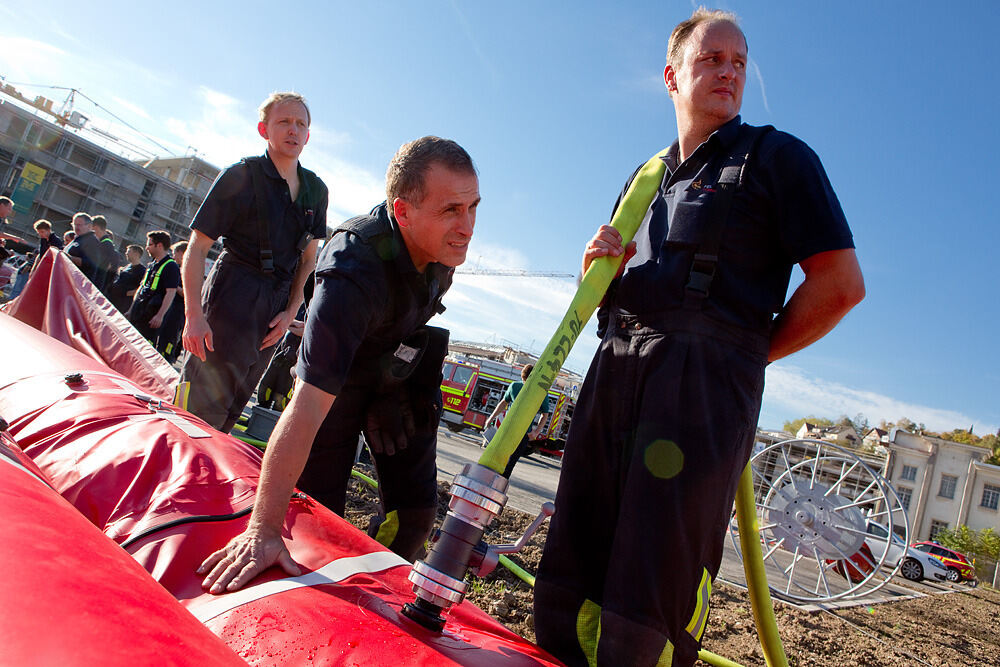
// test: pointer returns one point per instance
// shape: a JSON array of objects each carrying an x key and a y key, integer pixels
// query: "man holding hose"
[{"x": 667, "y": 416}]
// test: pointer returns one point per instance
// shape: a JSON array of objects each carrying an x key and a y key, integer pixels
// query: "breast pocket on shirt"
[{"x": 688, "y": 216}]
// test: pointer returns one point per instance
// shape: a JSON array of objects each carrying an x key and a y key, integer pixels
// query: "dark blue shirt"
[
  {"x": 87, "y": 248},
  {"x": 230, "y": 211},
  {"x": 369, "y": 297},
  {"x": 785, "y": 212},
  {"x": 52, "y": 242}
]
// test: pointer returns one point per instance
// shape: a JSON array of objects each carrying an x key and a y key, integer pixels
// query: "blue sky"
[{"x": 558, "y": 102}]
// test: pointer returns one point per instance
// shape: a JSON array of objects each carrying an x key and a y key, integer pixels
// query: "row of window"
[{"x": 990, "y": 498}]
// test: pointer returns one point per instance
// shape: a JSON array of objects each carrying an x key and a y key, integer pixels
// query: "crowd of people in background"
[{"x": 149, "y": 295}]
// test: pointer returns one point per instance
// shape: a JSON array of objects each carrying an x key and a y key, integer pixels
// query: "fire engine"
[{"x": 471, "y": 388}]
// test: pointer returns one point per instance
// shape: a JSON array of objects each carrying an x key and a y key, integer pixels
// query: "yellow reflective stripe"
[
  {"x": 181, "y": 394},
  {"x": 388, "y": 529},
  {"x": 700, "y": 617},
  {"x": 588, "y": 630},
  {"x": 451, "y": 390},
  {"x": 666, "y": 658}
]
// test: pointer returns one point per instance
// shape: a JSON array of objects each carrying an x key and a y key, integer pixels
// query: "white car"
[{"x": 916, "y": 565}]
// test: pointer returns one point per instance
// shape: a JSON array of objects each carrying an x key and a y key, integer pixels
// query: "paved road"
[
  {"x": 532, "y": 483},
  {"x": 535, "y": 479}
]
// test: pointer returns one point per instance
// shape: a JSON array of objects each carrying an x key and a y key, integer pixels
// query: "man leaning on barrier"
[{"x": 369, "y": 364}]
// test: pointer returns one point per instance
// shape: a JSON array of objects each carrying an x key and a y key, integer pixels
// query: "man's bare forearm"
[
  {"x": 286, "y": 454},
  {"x": 833, "y": 286},
  {"x": 194, "y": 274},
  {"x": 306, "y": 266}
]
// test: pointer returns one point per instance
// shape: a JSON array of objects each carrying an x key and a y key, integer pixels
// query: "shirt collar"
[
  {"x": 272, "y": 172},
  {"x": 726, "y": 135}
]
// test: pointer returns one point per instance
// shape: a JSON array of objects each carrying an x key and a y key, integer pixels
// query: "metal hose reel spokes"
[{"x": 815, "y": 502}]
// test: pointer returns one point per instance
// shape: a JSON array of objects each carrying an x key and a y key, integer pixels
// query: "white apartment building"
[{"x": 942, "y": 484}]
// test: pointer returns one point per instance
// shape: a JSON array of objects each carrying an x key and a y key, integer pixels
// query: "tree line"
[{"x": 861, "y": 425}]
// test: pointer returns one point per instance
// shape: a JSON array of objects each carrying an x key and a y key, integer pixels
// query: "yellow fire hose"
[{"x": 602, "y": 271}]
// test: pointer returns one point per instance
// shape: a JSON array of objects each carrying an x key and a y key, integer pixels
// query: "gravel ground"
[{"x": 961, "y": 628}]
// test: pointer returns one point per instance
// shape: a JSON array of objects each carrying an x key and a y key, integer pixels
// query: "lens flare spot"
[{"x": 663, "y": 458}]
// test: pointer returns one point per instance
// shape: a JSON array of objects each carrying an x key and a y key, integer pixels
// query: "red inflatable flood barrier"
[
  {"x": 140, "y": 470},
  {"x": 71, "y": 597},
  {"x": 60, "y": 301}
]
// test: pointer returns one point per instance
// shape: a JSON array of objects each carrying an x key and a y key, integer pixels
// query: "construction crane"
[{"x": 514, "y": 273}]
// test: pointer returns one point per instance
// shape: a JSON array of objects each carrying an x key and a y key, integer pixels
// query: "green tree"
[
  {"x": 795, "y": 425},
  {"x": 989, "y": 543}
]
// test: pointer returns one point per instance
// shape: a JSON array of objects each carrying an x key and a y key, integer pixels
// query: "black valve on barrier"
[{"x": 477, "y": 496}]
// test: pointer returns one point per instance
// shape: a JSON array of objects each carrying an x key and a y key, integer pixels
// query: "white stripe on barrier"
[{"x": 331, "y": 573}]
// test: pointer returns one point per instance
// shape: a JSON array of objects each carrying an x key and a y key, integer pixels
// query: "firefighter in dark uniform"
[
  {"x": 128, "y": 279},
  {"x": 85, "y": 249},
  {"x": 369, "y": 364},
  {"x": 270, "y": 213},
  {"x": 666, "y": 418},
  {"x": 110, "y": 258},
  {"x": 158, "y": 289},
  {"x": 168, "y": 339}
]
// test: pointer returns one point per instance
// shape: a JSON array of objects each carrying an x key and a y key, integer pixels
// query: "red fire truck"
[{"x": 472, "y": 387}]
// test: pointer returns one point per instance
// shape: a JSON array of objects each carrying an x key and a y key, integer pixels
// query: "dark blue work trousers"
[
  {"x": 407, "y": 479},
  {"x": 239, "y": 304},
  {"x": 664, "y": 426}
]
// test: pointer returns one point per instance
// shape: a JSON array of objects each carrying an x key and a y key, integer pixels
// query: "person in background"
[
  {"x": 46, "y": 240},
  {"x": 110, "y": 259},
  {"x": 168, "y": 340},
  {"x": 85, "y": 250},
  {"x": 158, "y": 289},
  {"x": 22, "y": 274},
  {"x": 541, "y": 419},
  {"x": 128, "y": 279},
  {"x": 68, "y": 237},
  {"x": 6, "y": 208}
]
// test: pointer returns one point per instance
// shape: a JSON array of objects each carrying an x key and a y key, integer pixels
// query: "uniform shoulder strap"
[
  {"x": 375, "y": 230},
  {"x": 257, "y": 176},
  {"x": 732, "y": 174}
]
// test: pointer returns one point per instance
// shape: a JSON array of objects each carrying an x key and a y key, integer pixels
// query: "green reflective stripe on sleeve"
[
  {"x": 666, "y": 658},
  {"x": 588, "y": 630},
  {"x": 388, "y": 529},
  {"x": 700, "y": 617}
]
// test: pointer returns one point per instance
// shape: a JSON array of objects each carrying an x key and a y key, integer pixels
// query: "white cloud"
[
  {"x": 800, "y": 394},
  {"x": 225, "y": 130},
  {"x": 22, "y": 58},
  {"x": 523, "y": 312},
  {"x": 134, "y": 108}
]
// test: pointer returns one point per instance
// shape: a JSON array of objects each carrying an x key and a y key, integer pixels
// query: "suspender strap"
[
  {"x": 156, "y": 276},
  {"x": 263, "y": 228},
  {"x": 731, "y": 175}
]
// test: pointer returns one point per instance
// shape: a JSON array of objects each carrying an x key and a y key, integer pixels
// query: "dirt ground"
[{"x": 953, "y": 629}]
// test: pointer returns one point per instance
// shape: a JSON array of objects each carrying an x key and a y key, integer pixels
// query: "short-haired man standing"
[
  {"x": 270, "y": 213},
  {"x": 129, "y": 278},
  {"x": 666, "y": 418},
  {"x": 110, "y": 259},
  {"x": 158, "y": 289},
  {"x": 46, "y": 240},
  {"x": 368, "y": 363},
  {"x": 85, "y": 250}
]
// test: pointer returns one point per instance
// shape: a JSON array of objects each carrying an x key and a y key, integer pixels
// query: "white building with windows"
[{"x": 942, "y": 484}]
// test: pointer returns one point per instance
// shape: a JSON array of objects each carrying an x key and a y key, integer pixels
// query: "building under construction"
[{"x": 52, "y": 164}]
